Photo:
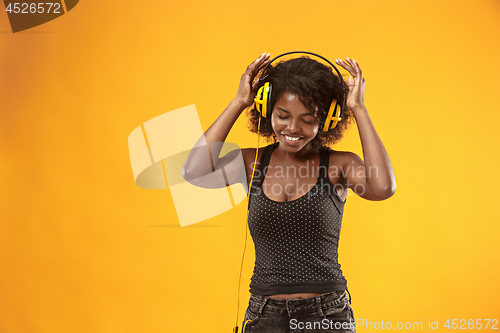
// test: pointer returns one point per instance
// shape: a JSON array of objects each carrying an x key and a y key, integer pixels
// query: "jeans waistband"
[{"x": 260, "y": 304}]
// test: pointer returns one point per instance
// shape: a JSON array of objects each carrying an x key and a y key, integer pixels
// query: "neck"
[{"x": 300, "y": 155}]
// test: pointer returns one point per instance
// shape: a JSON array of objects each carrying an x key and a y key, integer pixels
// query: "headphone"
[{"x": 263, "y": 97}]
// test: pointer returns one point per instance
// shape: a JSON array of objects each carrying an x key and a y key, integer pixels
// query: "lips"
[{"x": 292, "y": 140}]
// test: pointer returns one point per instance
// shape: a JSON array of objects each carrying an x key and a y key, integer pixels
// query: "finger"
[
  {"x": 345, "y": 66},
  {"x": 263, "y": 57},
  {"x": 255, "y": 84},
  {"x": 258, "y": 64},
  {"x": 350, "y": 83},
  {"x": 358, "y": 74},
  {"x": 260, "y": 57},
  {"x": 263, "y": 63},
  {"x": 354, "y": 66},
  {"x": 259, "y": 68},
  {"x": 255, "y": 62},
  {"x": 338, "y": 62},
  {"x": 358, "y": 69}
]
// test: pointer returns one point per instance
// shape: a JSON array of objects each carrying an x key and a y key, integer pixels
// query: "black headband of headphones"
[{"x": 262, "y": 77}]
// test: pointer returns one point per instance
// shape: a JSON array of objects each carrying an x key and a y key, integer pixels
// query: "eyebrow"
[{"x": 305, "y": 114}]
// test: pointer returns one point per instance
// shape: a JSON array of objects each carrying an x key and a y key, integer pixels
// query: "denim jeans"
[{"x": 330, "y": 312}]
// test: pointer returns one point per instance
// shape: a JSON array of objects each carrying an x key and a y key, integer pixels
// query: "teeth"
[{"x": 291, "y": 138}]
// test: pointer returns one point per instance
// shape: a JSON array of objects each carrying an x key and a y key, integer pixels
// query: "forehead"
[{"x": 291, "y": 102}]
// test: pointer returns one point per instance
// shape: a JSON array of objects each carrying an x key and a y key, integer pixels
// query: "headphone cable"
[{"x": 235, "y": 329}]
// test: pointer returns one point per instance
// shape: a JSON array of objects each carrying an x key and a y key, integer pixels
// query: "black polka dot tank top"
[{"x": 296, "y": 241}]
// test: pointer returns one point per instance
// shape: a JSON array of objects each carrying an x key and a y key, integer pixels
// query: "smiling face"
[{"x": 293, "y": 124}]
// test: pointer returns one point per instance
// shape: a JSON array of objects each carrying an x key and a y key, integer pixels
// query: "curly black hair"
[{"x": 311, "y": 81}]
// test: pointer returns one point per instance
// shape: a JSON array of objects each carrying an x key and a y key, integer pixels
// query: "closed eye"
[{"x": 307, "y": 122}]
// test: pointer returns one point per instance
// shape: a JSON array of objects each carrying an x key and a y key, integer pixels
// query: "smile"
[{"x": 291, "y": 139}]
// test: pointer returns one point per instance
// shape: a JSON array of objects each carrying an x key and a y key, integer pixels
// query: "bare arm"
[
  {"x": 204, "y": 157},
  {"x": 373, "y": 178}
]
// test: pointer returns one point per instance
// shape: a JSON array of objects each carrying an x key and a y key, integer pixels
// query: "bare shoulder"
[
  {"x": 249, "y": 158},
  {"x": 343, "y": 158},
  {"x": 249, "y": 155},
  {"x": 339, "y": 162}
]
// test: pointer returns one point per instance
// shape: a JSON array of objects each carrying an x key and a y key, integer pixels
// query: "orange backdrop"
[{"x": 84, "y": 249}]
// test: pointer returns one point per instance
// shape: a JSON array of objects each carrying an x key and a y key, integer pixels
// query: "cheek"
[
  {"x": 314, "y": 130},
  {"x": 274, "y": 122}
]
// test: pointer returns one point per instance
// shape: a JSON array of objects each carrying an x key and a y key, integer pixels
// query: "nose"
[{"x": 293, "y": 126}]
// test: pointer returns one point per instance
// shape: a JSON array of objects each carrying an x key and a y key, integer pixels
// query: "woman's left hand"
[{"x": 355, "y": 83}]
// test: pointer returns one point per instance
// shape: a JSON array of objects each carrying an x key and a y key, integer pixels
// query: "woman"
[{"x": 299, "y": 189}]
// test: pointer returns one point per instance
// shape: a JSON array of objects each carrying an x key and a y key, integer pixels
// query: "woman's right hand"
[{"x": 248, "y": 88}]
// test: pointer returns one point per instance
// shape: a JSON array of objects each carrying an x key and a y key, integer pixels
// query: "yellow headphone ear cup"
[
  {"x": 261, "y": 100},
  {"x": 258, "y": 99},
  {"x": 332, "y": 116}
]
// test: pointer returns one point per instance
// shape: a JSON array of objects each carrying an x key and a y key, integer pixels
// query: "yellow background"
[{"x": 83, "y": 249}]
